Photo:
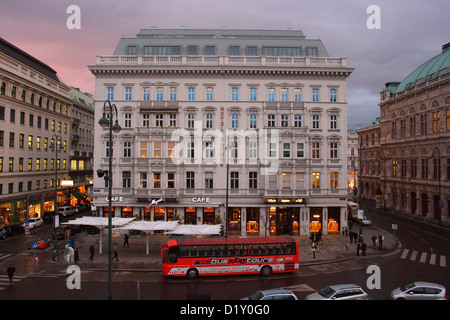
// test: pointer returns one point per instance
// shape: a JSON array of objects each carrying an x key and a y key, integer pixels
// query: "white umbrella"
[
  {"x": 100, "y": 223},
  {"x": 149, "y": 226},
  {"x": 204, "y": 229}
]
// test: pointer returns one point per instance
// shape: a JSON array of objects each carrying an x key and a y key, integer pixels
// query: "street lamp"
[
  {"x": 105, "y": 122},
  {"x": 227, "y": 148},
  {"x": 55, "y": 146}
]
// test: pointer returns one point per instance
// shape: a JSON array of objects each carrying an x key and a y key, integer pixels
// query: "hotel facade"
[{"x": 264, "y": 109}]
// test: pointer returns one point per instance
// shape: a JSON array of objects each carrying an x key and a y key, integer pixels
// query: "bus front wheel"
[
  {"x": 192, "y": 274},
  {"x": 266, "y": 271}
]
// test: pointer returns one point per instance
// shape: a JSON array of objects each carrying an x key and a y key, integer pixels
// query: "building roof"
[
  {"x": 82, "y": 98},
  {"x": 437, "y": 65},
  {"x": 28, "y": 60},
  {"x": 222, "y": 39}
]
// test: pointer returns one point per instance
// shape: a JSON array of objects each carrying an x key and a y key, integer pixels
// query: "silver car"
[
  {"x": 419, "y": 290},
  {"x": 272, "y": 294},
  {"x": 339, "y": 292}
]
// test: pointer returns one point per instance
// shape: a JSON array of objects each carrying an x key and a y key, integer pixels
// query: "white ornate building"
[{"x": 274, "y": 98}]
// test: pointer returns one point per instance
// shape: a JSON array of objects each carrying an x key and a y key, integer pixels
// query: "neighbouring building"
[
  {"x": 34, "y": 114},
  {"x": 273, "y": 103},
  {"x": 81, "y": 146},
  {"x": 413, "y": 148}
]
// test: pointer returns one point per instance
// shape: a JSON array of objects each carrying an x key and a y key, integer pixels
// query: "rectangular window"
[
  {"x": 286, "y": 149},
  {"x": 209, "y": 180},
  {"x": 190, "y": 180},
  {"x": 143, "y": 180},
  {"x": 210, "y": 94},
  {"x": 157, "y": 180},
  {"x": 273, "y": 149},
  {"x": 334, "y": 180},
  {"x": 316, "y": 180},
  {"x": 146, "y": 94},
  {"x": 316, "y": 121},
  {"x": 171, "y": 180},
  {"x": 253, "y": 180},
  {"x": 436, "y": 121},
  {"x": 284, "y": 94},
  {"x": 333, "y": 121},
  {"x": 284, "y": 120},
  {"x": 271, "y": 120},
  {"x": 157, "y": 151},
  {"x": 300, "y": 150},
  {"x": 315, "y": 95},
  {"x": 234, "y": 94},
  {"x": 11, "y": 139},
  {"x": 300, "y": 180},
  {"x": 159, "y": 94},
  {"x": 253, "y": 121},
  {"x": 159, "y": 120},
  {"x": 110, "y": 93},
  {"x": 128, "y": 92},
  {"x": 234, "y": 180},
  {"x": 315, "y": 150},
  {"x": 173, "y": 94},
  {"x": 172, "y": 120},
  {"x": 273, "y": 181},
  {"x": 127, "y": 117},
  {"x": 190, "y": 120},
  {"x": 143, "y": 149},
  {"x": 252, "y": 150},
  {"x": 234, "y": 121},
  {"x": 191, "y": 94},
  {"x": 298, "y": 94},
  {"x": 252, "y": 94},
  {"x": 286, "y": 179},
  {"x": 146, "y": 120},
  {"x": 425, "y": 168},
  {"x": 297, "y": 120},
  {"x": 126, "y": 179},
  {"x": 209, "y": 120},
  {"x": 270, "y": 94},
  {"x": 127, "y": 149},
  {"x": 333, "y": 150},
  {"x": 333, "y": 95}
]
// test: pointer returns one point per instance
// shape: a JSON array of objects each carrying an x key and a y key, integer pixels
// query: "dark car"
[
  {"x": 48, "y": 216},
  {"x": 60, "y": 232}
]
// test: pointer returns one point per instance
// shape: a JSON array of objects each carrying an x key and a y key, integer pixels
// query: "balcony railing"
[{"x": 261, "y": 61}]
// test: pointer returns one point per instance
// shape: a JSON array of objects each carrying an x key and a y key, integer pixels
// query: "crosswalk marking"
[
  {"x": 4, "y": 280},
  {"x": 423, "y": 257},
  {"x": 404, "y": 254},
  {"x": 433, "y": 259},
  {"x": 443, "y": 261},
  {"x": 4, "y": 256}
]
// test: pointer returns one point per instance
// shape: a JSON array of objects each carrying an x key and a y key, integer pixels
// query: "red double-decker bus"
[{"x": 229, "y": 256}]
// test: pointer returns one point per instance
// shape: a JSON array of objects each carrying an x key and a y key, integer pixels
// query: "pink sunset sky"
[{"x": 411, "y": 33}]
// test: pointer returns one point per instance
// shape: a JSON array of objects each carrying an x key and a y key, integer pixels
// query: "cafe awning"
[{"x": 191, "y": 229}]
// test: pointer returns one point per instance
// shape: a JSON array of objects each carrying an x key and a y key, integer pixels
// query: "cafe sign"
[{"x": 201, "y": 199}]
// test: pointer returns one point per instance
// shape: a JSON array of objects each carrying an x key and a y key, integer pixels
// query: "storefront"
[
  {"x": 234, "y": 220},
  {"x": 252, "y": 219},
  {"x": 209, "y": 215},
  {"x": 315, "y": 220}
]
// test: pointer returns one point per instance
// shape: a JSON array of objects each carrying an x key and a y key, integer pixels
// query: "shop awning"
[
  {"x": 100, "y": 223},
  {"x": 78, "y": 195}
]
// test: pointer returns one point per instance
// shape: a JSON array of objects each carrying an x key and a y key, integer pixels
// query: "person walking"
[
  {"x": 374, "y": 241},
  {"x": 91, "y": 251},
  {"x": 76, "y": 256},
  {"x": 126, "y": 241},
  {"x": 10, "y": 271},
  {"x": 115, "y": 253},
  {"x": 363, "y": 248},
  {"x": 313, "y": 247},
  {"x": 380, "y": 241},
  {"x": 358, "y": 247}
]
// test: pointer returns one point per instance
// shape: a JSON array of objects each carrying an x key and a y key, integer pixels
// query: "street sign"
[
  {"x": 394, "y": 226},
  {"x": 27, "y": 229}
]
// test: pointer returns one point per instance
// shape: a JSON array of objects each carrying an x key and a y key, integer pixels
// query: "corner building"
[{"x": 270, "y": 106}]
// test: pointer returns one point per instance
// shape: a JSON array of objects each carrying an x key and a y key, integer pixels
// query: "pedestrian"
[
  {"x": 91, "y": 251},
  {"x": 380, "y": 241},
  {"x": 355, "y": 236},
  {"x": 363, "y": 248},
  {"x": 126, "y": 241},
  {"x": 374, "y": 241},
  {"x": 313, "y": 247},
  {"x": 358, "y": 247},
  {"x": 350, "y": 234},
  {"x": 76, "y": 256},
  {"x": 115, "y": 253},
  {"x": 10, "y": 271}
]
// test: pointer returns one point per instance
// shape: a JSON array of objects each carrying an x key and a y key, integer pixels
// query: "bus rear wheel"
[
  {"x": 266, "y": 271},
  {"x": 192, "y": 274}
]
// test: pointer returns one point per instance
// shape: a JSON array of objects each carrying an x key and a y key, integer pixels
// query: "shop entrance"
[{"x": 284, "y": 220}]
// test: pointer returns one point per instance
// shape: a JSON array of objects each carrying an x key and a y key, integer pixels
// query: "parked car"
[
  {"x": 48, "y": 216},
  {"x": 33, "y": 223},
  {"x": 272, "y": 294},
  {"x": 365, "y": 221},
  {"x": 3, "y": 233},
  {"x": 339, "y": 292},
  {"x": 419, "y": 290},
  {"x": 66, "y": 211},
  {"x": 60, "y": 232}
]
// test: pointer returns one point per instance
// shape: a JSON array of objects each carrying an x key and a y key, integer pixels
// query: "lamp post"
[
  {"x": 55, "y": 146},
  {"x": 227, "y": 148},
  {"x": 105, "y": 122}
]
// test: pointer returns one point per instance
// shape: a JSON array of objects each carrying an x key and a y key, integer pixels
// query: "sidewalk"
[{"x": 332, "y": 248}]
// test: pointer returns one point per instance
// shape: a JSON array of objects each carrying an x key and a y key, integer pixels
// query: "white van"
[{"x": 66, "y": 211}]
